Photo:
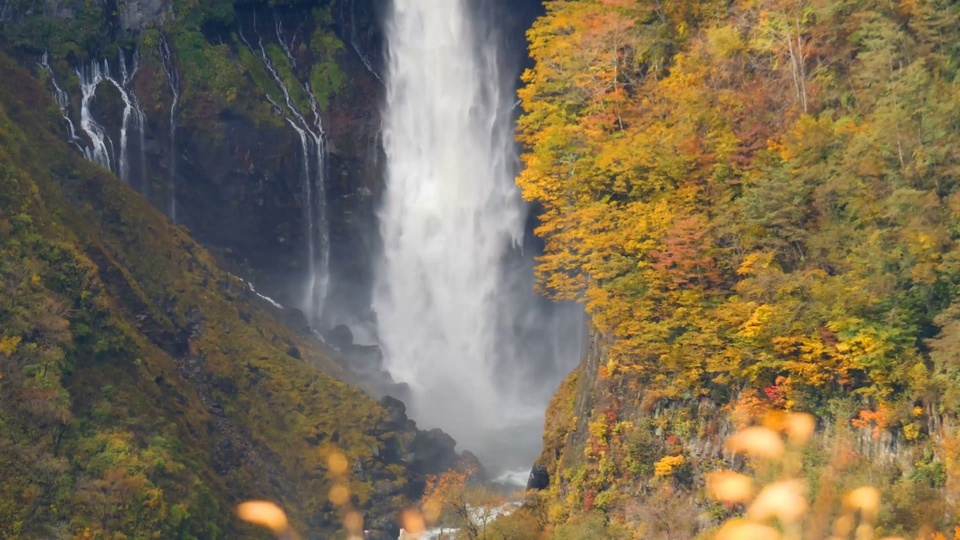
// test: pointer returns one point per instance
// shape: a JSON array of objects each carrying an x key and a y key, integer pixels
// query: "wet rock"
[
  {"x": 138, "y": 14},
  {"x": 295, "y": 319},
  {"x": 294, "y": 352},
  {"x": 382, "y": 528},
  {"x": 432, "y": 452},
  {"x": 539, "y": 477},
  {"x": 340, "y": 337},
  {"x": 396, "y": 413}
]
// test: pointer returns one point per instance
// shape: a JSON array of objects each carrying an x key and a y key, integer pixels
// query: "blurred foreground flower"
[
  {"x": 739, "y": 529},
  {"x": 411, "y": 520},
  {"x": 784, "y": 500},
  {"x": 729, "y": 487},
  {"x": 266, "y": 514},
  {"x": 782, "y": 508},
  {"x": 757, "y": 442}
]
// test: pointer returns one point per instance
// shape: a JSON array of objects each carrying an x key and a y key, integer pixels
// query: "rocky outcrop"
[{"x": 137, "y": 15}]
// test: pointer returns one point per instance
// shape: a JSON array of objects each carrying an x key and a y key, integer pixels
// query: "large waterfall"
[{"x": 457, "y": 317}]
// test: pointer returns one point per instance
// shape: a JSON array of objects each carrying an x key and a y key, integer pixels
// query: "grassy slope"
[{"x": 141, "y": 394}]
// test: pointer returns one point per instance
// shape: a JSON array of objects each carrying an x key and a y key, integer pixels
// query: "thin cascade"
[
  {"x": 173, "y": 79},
  {"x": 132, "y": 115},
  {"x": 278, "y": 26},
  {"x": 101, "y": 147},
  {"x": 63, "y": 102},
  {"x": 314, "y": 152},
  {"x": 356, "y": 47}
]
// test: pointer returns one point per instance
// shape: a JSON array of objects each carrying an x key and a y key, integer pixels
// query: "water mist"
[{"x": 457, "y": 316}]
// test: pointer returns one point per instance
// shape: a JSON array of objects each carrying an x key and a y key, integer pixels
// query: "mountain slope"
[{"x": 142, "y": 395}]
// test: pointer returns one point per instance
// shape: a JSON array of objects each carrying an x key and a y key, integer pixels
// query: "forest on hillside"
[{"x": 757, "y": 201}]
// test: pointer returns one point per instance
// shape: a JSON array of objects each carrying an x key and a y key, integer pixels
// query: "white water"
[
  {"x": 173, "y": 80},
  {"x": 63, "y": 102},
  {"x": 100, "y": 149},
  {"x": 131, "y": 113},
  {"x": 313, "y": 155},
  {"x": 456, "y": 316}
]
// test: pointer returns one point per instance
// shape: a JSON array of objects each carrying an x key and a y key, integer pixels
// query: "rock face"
[
  {"x": 539, "y": 477},
  {"x": 236, "y": 165},
  {"x": 137, "y": 15}
]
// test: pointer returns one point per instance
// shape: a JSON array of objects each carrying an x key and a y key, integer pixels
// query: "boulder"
[
  {"x": 340, "y": 337},
  {"x": 539, "y": 477}
]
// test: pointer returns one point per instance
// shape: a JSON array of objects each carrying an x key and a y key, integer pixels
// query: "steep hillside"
[
  {"x": 757, "y": 202},
  {"x": 142, "y": 393}
]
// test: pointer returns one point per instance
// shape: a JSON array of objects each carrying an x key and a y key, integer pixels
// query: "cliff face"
[
  {"x": 616, "y": 458},
  {"x": 215, "y": 155}
]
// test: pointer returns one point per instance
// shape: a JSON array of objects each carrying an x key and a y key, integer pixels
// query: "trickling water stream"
[
  {"x": 313, "y": 155},
  {"x": 63, "y": 102},
  {"x": 456, "y": 315},
  {"x": 173, "y": 80}
]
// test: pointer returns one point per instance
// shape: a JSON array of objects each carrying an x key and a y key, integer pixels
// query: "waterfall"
[
  {"x": 63, "y": 102},
  {"x": 100, "y": 149},
  {"x": 353, "y": 41},
  {"x": 456, "y": 314},
  {"x": 132, "y": 113},
  {"x": 314, "y": 154},
  {"x": 173, "y": 79}
]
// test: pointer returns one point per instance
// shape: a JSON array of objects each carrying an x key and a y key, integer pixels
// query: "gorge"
[{"x": 338, "y": 254}]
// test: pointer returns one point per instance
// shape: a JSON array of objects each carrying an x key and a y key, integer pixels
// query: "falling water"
[
  {"x": 314, "y": 153},
  {"x": 132, "y": 114},
  {"x": 100, "y": 149},
  {"x": 173, "y": 79},
  {"x": 356, "y": 46},
  {"x": 456, "y": 315},
  {"x": 63, "y": 102}
]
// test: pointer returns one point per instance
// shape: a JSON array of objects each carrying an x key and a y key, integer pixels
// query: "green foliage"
[
  {"x": 280, "y": 63},
  {"x": 208, "y": 70},
  {"x": 326, "y": 78},
  {"x": 76, "y": 39}
]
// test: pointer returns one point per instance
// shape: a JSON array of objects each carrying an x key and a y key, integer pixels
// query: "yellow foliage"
[
  {"x": 8, "y": 344},
  {"x": 666, "y": 465}
]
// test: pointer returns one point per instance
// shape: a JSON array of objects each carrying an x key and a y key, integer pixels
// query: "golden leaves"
[
  {"x": 8, "y": 344},
  {"x": 666, "y": 465}
]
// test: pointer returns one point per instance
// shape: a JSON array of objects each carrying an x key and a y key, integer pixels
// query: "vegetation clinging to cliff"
[{"x": 757, "y": 202}]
